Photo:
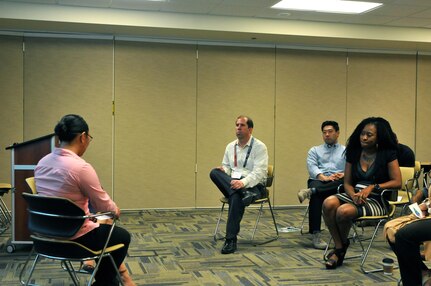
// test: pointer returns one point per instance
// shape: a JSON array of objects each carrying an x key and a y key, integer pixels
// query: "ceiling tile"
[
  {"x": 396, "y": 10},
  {"x": 411, "y": 22}
]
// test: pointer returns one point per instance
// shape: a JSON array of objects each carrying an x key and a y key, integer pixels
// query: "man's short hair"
[
  {"x": 331, "y": 123},
  {"x": 249, "y": 121}
]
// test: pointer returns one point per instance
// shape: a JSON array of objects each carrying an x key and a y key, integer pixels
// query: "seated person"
[
  {"x": 371, "y": 160},
  {"x": 406, "y": 156},
  {"x": 420, "y": 195},
  {"x": 325, "y": 164},
  {"x": 242, "y": 177},
  {"x": 408, "y": 241},
  {"x": 63, "y": 173}
]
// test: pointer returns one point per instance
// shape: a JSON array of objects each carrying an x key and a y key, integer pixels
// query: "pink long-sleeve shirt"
[{"x": 63, "y": 173}]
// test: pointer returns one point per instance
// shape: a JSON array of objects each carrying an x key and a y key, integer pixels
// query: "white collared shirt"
[{"x": 256, "y": 169}]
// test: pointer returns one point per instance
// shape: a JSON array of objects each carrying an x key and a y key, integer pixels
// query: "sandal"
[
  {"x": 87, "y": 268},
  {"x": 331, "y": 252},
  {"x": 334, "y": 262}
]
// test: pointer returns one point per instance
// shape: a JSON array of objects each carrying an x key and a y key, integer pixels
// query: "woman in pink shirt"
[{"x": 63, "y": 173}]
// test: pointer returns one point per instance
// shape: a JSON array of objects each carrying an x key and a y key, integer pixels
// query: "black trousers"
[
  {"x": 96, "y": 239},
  {"x": 407, "y": 248},
  {"x": 236, "y": 206},
  {"x": 323, "y": 190}
]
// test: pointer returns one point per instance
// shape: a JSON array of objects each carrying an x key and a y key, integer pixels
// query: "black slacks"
[
  {"x": 323, "y": 190},
  {"x": 407, "y": 248},
  {"x": 236, "y": 206},
  {"x": 96, "y": 239}
]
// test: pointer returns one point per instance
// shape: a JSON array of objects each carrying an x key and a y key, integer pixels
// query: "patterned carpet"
[{"x": 176, "y": 247}]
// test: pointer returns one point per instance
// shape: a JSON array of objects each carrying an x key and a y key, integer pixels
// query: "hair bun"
[{"x": 69, "y": 126}]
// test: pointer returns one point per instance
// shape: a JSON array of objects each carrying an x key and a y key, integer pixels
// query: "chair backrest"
[
  {"x": 417, "y": 166},
  {"x": 407, "y": 178},
  {"x": 270, "y": 176},
  {"x": 418, "y": 173},
  {"x": 53, "y": 216},
  {"x": 32, "y": 184}
]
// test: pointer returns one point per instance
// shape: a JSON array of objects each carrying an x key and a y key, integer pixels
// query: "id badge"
[{"x": 236, "y": 175}]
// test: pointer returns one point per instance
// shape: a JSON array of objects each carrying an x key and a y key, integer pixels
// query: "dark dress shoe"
[
  {"x": 249, "y": 197},
  {"x": 229, "y": 246}
]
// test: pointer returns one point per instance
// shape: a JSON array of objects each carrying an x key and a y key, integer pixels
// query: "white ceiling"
[
  {"x": 398, "y": 24},
  {"x": 398, "y": 13}
]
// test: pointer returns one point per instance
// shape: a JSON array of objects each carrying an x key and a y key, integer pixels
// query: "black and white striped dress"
[{"x": 373, "y": 205}]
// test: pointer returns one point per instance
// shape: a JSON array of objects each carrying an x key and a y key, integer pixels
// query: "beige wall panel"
[
  {"x": 423, "y": 126},
  {"x": 11, "y": 99},
  {"x": 155, "y": 123},
  {"x": 383, "y": 85},
  {"x": 311, "y": 88},
  {"x": 65, "y": 76},
  {"x": 231, "y": 81}
]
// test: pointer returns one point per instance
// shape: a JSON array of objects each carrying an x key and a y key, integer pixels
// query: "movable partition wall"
[{"x": 175, "y": 106}]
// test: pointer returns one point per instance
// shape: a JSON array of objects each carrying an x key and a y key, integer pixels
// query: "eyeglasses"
[
  {"x": 88, "y": 135},
  {"x": 91, "y": 137}
]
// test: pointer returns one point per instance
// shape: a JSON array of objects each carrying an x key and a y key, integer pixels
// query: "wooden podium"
[{"x": 24, "y": 158}]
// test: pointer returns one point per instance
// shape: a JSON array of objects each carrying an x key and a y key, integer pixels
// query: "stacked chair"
[{"x": 5, "y": 214}]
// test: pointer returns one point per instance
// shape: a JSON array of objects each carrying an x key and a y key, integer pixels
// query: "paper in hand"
[{"x": 416, "y": 210}]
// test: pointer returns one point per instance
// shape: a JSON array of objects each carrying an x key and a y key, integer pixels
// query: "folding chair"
[
  {"x": 51, "y": 222},
  {"x": 260, "y": 202},
  {"x": 408, "y": 177},
  {"x": 418, "y": 173},
  {"x": 378, "y": 220},
  {"x": 304, "y": 219},
  {"x": 5, "y": 214},
  {"x": 32, "y": 184}
]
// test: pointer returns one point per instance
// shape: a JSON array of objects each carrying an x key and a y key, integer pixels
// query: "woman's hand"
[
  {"x": 359, "y": 198},
  {"x": 117, "y": 213}
]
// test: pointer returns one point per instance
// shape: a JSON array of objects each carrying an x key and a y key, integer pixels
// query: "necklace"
[{"x": 368, "y": 158}]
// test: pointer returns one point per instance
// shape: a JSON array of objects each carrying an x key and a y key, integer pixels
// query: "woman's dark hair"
[
  {"x": 385, "y": 137},
  {"x": 70, "y": 126}
]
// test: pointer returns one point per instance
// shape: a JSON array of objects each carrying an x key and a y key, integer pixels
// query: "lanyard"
[{"x": 246, "y": 157}]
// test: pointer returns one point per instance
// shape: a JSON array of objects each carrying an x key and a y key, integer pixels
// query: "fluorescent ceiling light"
[{"x": 327, "y": 6}]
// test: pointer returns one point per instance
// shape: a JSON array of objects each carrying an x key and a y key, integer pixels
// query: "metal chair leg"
[
  {"x": 304, "y": 218},
  {"x": 365, "y": 255},
  {"x": 257, "y": 221},
  {"x": 215, "y": 236},
  {"x": 24, "y": 268},
  {"x": 275, "y": 226},
  {"x": 72, "y": 273}
]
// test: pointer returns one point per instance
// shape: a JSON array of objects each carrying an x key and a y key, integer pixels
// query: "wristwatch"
[{"x": 377, "y": 187}]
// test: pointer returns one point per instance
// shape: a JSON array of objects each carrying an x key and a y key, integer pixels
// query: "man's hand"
[
  {"x": 221, "y": 169},
  {"x": 236, "y": 184},
  {"x": 338, "y": 176},
  {"x": 424, "y": 209},
  {"x": 333, "y": 177}
]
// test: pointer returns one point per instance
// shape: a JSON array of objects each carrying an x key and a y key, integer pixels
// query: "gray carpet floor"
[{"x": 176, "y": 247}]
